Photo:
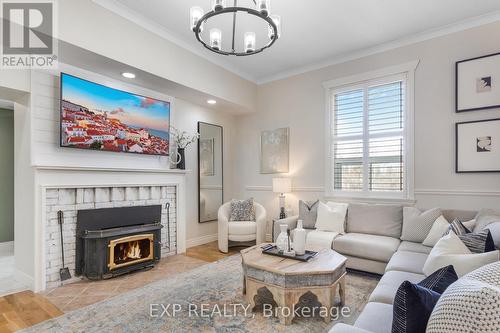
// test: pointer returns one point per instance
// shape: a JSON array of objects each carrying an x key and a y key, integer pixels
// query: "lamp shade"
[{"x": 282, "y": 185}]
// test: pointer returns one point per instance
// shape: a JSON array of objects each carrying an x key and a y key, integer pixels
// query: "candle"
[
  {"x": 215, "y": 39},
  {"x": 249, "y": 42},
  {"x": 196, "y": 15},
  {"x": 263, "y": 6}
]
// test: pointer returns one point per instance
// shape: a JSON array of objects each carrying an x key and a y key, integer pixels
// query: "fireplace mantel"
[{"x": 99, "y": 169}]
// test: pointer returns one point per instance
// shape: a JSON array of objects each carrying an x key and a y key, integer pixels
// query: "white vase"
[
  {"x": 299, "y": 239},
  {"x": 282, "y": 240}
]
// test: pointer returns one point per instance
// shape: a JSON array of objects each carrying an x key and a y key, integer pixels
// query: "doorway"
[{"x": 10, "y": 281}]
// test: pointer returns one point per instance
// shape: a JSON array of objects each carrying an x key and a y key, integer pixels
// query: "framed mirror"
[{"x": 210, "y": 171}]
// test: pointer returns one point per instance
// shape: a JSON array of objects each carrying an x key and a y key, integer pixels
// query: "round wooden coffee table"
[{"x": 289, "y": 279}]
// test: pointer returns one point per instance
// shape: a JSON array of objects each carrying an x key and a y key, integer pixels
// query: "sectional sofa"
[
  {"x": 372, "y": 244},
  {"x": 372, "y": 241}
]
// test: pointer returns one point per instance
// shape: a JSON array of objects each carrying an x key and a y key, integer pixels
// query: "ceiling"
[{"x": 315, "y": 32}]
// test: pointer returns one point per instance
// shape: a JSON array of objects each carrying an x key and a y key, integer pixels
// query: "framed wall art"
[
  {"x": 274, "y": 151},
  {"x": 478, "y": 146},
  {"x": 478, "y": 83}
]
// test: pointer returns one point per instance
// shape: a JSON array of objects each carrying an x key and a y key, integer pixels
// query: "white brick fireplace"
[{"x": 72, "y": 189}]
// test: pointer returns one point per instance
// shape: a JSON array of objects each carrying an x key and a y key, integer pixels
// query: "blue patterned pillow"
[
  {"x": 412, "y": 308},
  {"x": 440, "y": 279}
]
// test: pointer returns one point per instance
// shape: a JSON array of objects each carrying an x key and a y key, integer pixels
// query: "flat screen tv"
[{"x": 97, "y": 117}]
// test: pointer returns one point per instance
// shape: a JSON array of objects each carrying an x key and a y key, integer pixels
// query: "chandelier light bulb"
[
  {"x": 218, "y": 5},
  {"x": 277, "y": 20},
  {"x": 263, "y": 6},
  {"x": 249, "y": 42},
  {"x": 215, "y": 39},
  {"x": 196, "y": 15}
]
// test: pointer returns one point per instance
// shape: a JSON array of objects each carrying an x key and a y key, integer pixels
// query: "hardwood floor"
[
  {"x": 25, "y": 309},
  {"x": 210, "y": 252}
]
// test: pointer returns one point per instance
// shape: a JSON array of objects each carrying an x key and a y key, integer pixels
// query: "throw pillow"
[
  {"x": 417, "y": 224},
  {"x": 438, "y": 229},
  {"x": 308, "y": 213},
  {"x": 412, "y": 308},
  {"x": 440, "y": 279},
  {"x": 457, "y": 227},
  {"x": 486, "y": 217},
  {"x": 242, "y": 210},
  {"x": 478, "y": 242},
  {"x": 494, "y": 228},
  {"x": 450, "y": 250},
  {"x": 470, "y": 224},
  {"x": 331, "y": 217},
  {"x": 472, "y": 304}
]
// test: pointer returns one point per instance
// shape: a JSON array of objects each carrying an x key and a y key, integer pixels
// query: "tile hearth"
[{"x": 80, "y": 294}]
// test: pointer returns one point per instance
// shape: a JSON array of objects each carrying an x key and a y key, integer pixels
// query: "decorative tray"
[{"x": 273, "y": 250}]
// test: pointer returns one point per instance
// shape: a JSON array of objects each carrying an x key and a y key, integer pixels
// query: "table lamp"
[{"x": 282, "y": 186}]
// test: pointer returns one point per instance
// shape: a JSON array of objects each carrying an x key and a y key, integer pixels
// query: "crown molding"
[
  {"x": 148, "y": 24},
  {"x": 409, "y": 40}
]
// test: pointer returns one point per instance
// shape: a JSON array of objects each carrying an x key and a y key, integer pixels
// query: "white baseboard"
[
  {"x": 201, "y": 240},
  {"x": 7, "y": 248}
]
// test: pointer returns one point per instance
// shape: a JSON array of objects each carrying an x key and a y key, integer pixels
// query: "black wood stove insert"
[{"x": 116, "y": 241}]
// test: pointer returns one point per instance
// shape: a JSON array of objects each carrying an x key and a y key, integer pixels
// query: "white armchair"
[{"x": 241, "y": 231}]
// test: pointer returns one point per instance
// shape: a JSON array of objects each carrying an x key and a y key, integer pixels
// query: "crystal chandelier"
[{"x": 261, "y": 9}]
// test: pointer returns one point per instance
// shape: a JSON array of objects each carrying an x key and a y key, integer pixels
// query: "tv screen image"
[{"x": 97, "y": 117}]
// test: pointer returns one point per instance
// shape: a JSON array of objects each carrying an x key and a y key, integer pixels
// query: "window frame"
[{"x": 386, "y": 75}]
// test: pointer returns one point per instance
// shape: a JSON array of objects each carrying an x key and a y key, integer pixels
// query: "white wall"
[
  {"x": 188, "y": 120},
  {"x": 299, "y": 103},
  {"x": 24, "y": 190}
]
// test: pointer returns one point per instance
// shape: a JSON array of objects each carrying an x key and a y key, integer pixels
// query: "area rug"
[{"x": 212, "y": 292}]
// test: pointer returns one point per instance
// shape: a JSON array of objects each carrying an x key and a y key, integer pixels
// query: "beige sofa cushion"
[
  {"x": 365, "y": 265},
  {"x": 383, "y": 220},
  {"x": 372, "y": 247},
  {"x": 414, "y": 247},
  {"x": 411, "y": 262},
  {"x": 389, "y": 284},
  {"x": 376, "y": 318}
]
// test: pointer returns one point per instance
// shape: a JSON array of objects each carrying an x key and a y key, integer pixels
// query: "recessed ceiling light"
[
  {"x": 212, "y": 101},
  {"x": 128, "y": 75}
]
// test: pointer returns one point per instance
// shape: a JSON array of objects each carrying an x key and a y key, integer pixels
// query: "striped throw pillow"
[
  {"x": 479, "y": 242},
  {"x": 457, "y": 227}
]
